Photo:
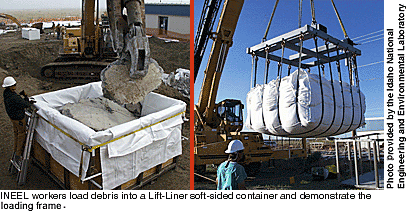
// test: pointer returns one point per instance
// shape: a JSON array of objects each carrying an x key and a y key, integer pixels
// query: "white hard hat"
[
  {"x": 8, "y": 81},
  {"x": 234, "y": 146}
]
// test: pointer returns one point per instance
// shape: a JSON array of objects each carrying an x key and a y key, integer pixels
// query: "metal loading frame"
[
  {"x": 291, "y": 40},
  {"x": 305, "y": 58}
]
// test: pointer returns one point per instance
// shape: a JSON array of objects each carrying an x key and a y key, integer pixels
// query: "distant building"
[
  {"x": 372, "y": 126},
  {"x": 168, "y": 17}
]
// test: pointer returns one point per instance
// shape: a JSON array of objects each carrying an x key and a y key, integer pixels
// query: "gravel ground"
[{"x": 278, "y": 177}]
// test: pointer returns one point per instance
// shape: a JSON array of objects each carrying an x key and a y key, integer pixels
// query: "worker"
[
  {"x": 58, "y": 30},
  {"x": 15, "y": 107},
  {"x": 53, "y": 28},
  {"x": 231, "y": 175},
  {"x": 63, "y": 30}
]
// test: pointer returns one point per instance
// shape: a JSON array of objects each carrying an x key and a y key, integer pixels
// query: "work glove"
[
  {"x": 23, "y": 93},
  {"x": 32, "y": 101}
]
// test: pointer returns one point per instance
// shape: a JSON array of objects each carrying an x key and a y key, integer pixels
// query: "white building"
[
  {"x": 373, "y": 127},
  {"x": 173, "y": 17}
]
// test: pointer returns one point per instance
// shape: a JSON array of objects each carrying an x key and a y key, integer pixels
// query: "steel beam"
[
  {"x": 278, "y": 59},
  {"x": 322, "y": 51},
  {"x": 274, "y": 43},
  {"x": 309, "y": 53},
  {"x": 333, "y": 58},
  {"x": 308, "y": 32}
]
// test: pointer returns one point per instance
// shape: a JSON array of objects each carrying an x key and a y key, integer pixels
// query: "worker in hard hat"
[
  {"x": 58, "y": 30},
  {"x": 231, "y": 175},
  {"x": 15, "y": 107},
  {"x": 53, "y": 28},
  {"x": 63, "y": 30}
]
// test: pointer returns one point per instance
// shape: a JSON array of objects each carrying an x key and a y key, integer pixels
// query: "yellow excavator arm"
[
  {"x": 6, "y": 16},
  {"x": 128, "y": 34},
  {"x": 219, "y": 51}
]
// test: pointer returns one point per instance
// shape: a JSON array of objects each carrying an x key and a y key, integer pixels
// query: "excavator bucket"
[
  {"x": 135, "y": 74},
  {"x": 138, "y": 48}
]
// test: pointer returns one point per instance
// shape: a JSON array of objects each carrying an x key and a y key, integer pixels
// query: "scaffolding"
[{"x": 356, "y": 159}]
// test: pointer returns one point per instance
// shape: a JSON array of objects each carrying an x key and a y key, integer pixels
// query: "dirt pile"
[{"x": 20, "y": 56}]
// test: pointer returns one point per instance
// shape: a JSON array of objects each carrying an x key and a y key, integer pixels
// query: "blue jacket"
[{"x": 230, "y": 175}]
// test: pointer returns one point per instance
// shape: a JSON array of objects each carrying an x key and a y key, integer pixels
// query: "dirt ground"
[
  {"x": 278, "y": 176},
  {"x": 23, "y": 59}
]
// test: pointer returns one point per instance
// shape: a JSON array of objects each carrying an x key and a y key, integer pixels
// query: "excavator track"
[{"x": 74, "y": 69}]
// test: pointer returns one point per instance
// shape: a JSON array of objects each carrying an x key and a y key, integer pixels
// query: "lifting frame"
[
  {"x": 306, "y": 32},
  {"x": 306, "y": 58}
]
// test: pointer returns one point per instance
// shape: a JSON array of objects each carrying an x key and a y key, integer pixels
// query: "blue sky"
[{"x": 360, "y": 17}]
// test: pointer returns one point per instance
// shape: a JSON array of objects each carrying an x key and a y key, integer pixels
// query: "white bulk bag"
[
  {"x": 254, "y": 101},
  {"x": 270, "y": 108},
  {"x": 305, "y": 116}
]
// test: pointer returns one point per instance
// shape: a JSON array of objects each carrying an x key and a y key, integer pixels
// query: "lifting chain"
[
  {"x": 300, "y": 14},
  {"x": 270, "y": 21},
  {"x": 333, "y": 87},
  {"x": 267, "y": 62},
  {"x": 340, "y": 20},
  {"x": 283, "y": 43},
  {"x": 312, "y": 8},
  {"x": 341, "y": 87},
  {"x": 255, "y": 68},
  {"x": 349, "y": 65}
]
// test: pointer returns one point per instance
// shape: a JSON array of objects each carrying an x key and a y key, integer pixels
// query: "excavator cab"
[{"x": 230, "y": 113}]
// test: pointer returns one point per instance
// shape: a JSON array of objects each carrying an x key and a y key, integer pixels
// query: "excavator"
[
  {"x": 90, "y": 49},
  {"x": 12, "y": 18},
  {"x": 218, "y": 124},
  {"x": 17, "y": 22}
]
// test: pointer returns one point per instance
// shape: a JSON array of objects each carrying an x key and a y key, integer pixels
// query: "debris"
[
  {"x": 97, "y": 113},
  {"x": 120, "y": 87},
  {"x": 319, "y": 173},
  {"x": 178, "y": 80},
  {"x": 2, "y": 31},
  {"x": 168, "y": 40}
]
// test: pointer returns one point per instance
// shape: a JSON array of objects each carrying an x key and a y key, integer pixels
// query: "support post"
[
  {"x": 356, "y": 169},
  {"x": 376, "y": 170},
  {"x": 289, "y": 147},
  {"x": 337, "y": 160},
  {"x": 369, "y": 149},
  {"x": 359, "y": 144},
  {"x": 349, "y": 149},
  {"x": 378, "y": 150}
]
